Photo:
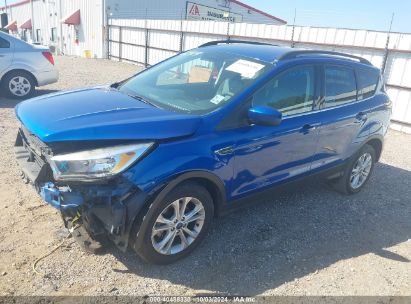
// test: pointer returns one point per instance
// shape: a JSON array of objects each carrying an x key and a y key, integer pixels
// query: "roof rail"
[
  {"x": 229, "y": 41},
  {"x": 297, "y": 53}
]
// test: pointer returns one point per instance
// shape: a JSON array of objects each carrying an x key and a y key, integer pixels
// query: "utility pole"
[
  {"x": 387, "y": 45},
  {"x": 10, "y": 12},
  {"x": 292, "y": 33}
]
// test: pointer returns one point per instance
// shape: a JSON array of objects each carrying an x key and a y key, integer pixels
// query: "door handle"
[
  {"x": 308, "y": 127},
  {"x": 362, "y": 116},
  {"x": 225, "y": 151}
]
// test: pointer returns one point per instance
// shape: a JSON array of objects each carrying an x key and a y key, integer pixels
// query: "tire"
[
  {"x": 346, "y": 183},
  {"x": 148, "y": 244},
  {"x": 18, "y": 85}
]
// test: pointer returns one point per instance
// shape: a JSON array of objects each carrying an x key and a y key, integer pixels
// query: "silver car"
[{"x": 24, "y": 66}]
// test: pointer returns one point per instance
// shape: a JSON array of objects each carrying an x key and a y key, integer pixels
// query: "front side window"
[
  {"x": 4, "y": 44},
  {"x": 340, "y": 86},
  {"x": 367, "y": 83},
  {"x": 195, "y": 82},
  {"x": 291, "y": 92}
]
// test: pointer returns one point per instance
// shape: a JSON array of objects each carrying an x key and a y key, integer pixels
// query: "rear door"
[
  {"x": 342, "y": 116},
  {"x": 6, "y": 54}
]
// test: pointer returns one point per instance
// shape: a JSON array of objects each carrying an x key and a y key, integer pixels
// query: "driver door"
[{"x": 268, "y": 155}]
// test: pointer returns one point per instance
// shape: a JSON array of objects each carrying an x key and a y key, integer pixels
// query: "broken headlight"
[{"x": 97, "y": 163}]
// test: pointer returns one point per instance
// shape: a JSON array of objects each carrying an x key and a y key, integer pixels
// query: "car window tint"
[
  {"x": 367, "y": 82},
  {"x": 291, "y": 92},
  {"x": 340, "y": 86},
  {"x": 4, "y": 44}
]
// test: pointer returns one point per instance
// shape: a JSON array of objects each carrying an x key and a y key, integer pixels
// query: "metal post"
[
  {"x": 146, "y": 49},
  {"x": 228, "y": 23},
  {"x": 146, "y": 42},
  {"x": 105, "y": 42},
  {"x": 387, "y": 51},
  {"x": 181, "y": 33},
  {"x": 61, "y": 42},
  {"x": 120, "y": 45},
  {"x": 108, "y": 41},
  {"x": 32, "y": 23},
  {"x": 292, "y": 34}
]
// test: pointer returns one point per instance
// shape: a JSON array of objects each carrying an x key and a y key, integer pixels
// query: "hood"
[{"x": 100, "y": 114}]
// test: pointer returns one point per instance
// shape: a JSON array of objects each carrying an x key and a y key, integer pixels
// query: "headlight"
[{"x": 96, "y": 163}]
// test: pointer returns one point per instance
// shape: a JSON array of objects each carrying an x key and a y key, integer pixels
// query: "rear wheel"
[
  {"x": 18, "y": 84},
  {"x": 357, "y": 172},
  {"x": 172, "y": 228}
]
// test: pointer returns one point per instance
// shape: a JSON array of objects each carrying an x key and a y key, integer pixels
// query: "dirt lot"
[{"x": 311, "y": 241}]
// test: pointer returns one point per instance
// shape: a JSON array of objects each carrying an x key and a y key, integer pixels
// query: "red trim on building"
[
  {"x": 72, "y": 19},
  {"x": 15, "y": 4},
  {"x": 258, "y": 11},
  {"x": 12, "y": 26},
  {"x": 26, "y": 25}
]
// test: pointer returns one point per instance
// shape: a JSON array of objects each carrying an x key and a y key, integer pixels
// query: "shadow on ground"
[
  {"x": 6, "y": 102},
  {"x": 291, "y": 235}
]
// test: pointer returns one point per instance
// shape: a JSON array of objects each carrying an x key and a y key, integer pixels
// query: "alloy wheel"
[
  {"x": 361, "y": 170},
  {"x": 178, "y": 225},
  {"x": 19, "y": 86}
]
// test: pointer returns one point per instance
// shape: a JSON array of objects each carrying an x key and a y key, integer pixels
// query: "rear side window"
[
  {"x": 367, "y": 83},
  {"x": 291, "y": 92},
  {"x": 4, "y": 44},
  {"x": 340, "y": 86}
]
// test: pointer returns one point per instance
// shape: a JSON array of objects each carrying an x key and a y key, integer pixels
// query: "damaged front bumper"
[{"x": 106, "y": 207}]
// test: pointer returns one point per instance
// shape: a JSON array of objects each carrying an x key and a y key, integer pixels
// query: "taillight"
[{"x": 49, "y": 57}]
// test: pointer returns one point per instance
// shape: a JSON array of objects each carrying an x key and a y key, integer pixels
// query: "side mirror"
[{"x": 263, "y": 115}]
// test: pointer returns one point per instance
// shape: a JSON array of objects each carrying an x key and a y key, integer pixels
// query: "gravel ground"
[{"x": 310, "y": 241}]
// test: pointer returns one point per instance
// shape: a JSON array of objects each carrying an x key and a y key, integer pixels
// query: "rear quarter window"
[
  {"x": 367, "y": 83},
  {"x": 4, "y": 44},
  {"x": 340, "y": 86}
]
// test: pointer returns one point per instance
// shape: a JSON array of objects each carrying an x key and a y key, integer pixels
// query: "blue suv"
[{"x": 149, "y": 161}]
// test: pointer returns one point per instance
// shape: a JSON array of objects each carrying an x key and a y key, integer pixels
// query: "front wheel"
[
  {"x": 173, "y": 227},
  {"x": 357, "y": 172}
]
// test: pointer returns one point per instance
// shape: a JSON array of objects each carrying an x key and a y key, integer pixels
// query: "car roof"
[
  {"x": 272, "y": 53},
  {"x": 262, "y": 52}
]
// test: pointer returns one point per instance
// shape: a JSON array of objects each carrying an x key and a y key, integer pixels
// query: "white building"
[{"x": 78, "y": 27}]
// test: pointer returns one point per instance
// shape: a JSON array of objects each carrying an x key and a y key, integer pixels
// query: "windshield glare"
[{"x": 195, "y": 82}]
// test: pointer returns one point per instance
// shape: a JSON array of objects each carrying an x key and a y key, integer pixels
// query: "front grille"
[
  {"x": 31, "y": 153},
  {"x": 39, "y": 147}
]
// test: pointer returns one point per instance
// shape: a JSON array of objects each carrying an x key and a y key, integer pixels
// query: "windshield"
[{"x": 195, "y": 82}]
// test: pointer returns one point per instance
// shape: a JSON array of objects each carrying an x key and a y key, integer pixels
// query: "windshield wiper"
[{"x": 142, "y": 99}]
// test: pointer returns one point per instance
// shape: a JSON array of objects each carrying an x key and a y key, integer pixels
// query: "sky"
[{"x": 359, "y": 14}]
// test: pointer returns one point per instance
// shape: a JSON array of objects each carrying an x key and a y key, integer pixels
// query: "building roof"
[
  {"x": 233, "y": 1},
  {"x": 15, "y": 4},
  {"x": 258, "y": 11}
]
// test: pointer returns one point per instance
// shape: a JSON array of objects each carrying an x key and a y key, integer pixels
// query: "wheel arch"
[
  {"x": 19, "y": 70},
  {"x": 377, "y": 143},
  {"x": 213, "y": 184}
]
